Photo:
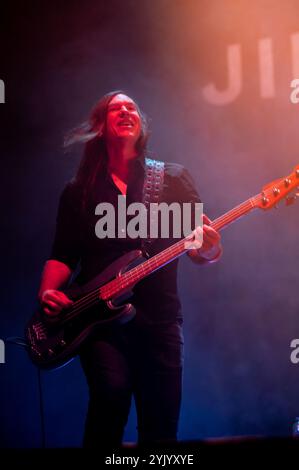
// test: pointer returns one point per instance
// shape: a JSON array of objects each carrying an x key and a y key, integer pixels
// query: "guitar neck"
[
  {"x": 134, "y": 275},
  {"x": 234, "y": 214}
]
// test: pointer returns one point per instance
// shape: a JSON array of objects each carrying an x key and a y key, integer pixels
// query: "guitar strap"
[{"x": 152, "y": 191}]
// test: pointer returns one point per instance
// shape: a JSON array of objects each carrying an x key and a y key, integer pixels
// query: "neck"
[{"x": 120, "y": 155}]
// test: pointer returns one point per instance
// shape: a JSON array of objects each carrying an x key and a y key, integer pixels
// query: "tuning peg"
[
  {"x": 276, "y": 191},
  {"x": 290, "y": 200},
  {"x": 265, "y": 200},
  {"x": 287, "y": 182}
]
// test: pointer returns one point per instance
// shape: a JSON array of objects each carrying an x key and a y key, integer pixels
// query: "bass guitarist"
[{"x": 144, "y": 357}]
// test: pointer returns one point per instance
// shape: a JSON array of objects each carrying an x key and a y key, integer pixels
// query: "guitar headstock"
[{"x": 285, "y": 188}]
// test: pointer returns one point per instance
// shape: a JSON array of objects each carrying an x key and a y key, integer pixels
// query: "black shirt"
[{"x": 156, "y": 297}]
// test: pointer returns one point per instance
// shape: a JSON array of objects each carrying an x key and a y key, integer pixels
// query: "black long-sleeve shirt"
[{"x": 156, "y": 297}]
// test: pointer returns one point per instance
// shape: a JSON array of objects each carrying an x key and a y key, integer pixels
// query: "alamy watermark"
[
  {"x": 294, "y": 96},
  {"x": 2, "y": 92},
  {"x": 295, "y": 353},
  {"x": 2, "y": 352},
  {"x": 165, "y": 220}
]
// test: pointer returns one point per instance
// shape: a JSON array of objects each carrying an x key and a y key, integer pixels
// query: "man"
[{"x": 144, "y": 357}]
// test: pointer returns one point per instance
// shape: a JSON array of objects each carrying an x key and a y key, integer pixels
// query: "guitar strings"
[
  {"x": 112, "y": 287},
  {"x": 107, "y": 291},
  {"x": 129, "y": 278}
]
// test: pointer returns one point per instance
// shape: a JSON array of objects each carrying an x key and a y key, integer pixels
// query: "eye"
[
  {"x": 113, "y": 108},
  {"x": 117, "y": 107}
]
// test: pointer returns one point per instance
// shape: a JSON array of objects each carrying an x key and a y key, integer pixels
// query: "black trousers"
[{"x": 140, "y": 360}]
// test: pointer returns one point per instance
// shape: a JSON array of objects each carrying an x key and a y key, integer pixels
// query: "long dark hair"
[{"x": 95, "y": 157}]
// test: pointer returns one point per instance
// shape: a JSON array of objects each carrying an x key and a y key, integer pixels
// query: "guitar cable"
[{"x": 19, "y": 341}]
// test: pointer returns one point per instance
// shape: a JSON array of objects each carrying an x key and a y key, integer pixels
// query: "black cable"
[
  {"x": 22, "y": 342},
  {"x": 41, "y": 409},
  {"x": 17, "y": 340}
]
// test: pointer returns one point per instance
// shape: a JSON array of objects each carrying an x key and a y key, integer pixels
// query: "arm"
[
  {"x": 64, "y": 256},
  {"x": 55, "y": 275},
  {"x": 208, "y": 257}
]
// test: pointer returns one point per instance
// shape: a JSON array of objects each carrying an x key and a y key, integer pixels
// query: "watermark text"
[
  {"x": 294, "y": 96},
  {"x": 2, "y": 352},
  {"x": 164, "y": 220},
  {"x": 2, "y": 92},
  {"x": 295, "y": 353}
]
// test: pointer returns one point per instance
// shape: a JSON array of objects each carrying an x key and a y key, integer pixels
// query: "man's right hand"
[{"x": 53, "y": 301}]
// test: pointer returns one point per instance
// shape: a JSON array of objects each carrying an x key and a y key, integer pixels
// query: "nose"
[{"x": 124, "y": 109}]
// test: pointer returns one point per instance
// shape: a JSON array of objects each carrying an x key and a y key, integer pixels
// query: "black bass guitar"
[{"x": 54, "y": 342}]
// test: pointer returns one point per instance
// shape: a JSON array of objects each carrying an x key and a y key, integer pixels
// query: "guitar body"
[{"x": 53, "y": 342}]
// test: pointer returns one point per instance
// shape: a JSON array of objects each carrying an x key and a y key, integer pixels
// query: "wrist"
[
  {"x": 206, "y": 257},
  {"x": 41, "y": 295},
  {"x": 213, "y": 254}
]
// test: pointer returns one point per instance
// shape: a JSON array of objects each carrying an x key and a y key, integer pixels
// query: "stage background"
[{"x": 214, "y": 77}]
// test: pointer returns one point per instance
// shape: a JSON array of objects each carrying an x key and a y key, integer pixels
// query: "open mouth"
[{"x": 126, "y": 124}]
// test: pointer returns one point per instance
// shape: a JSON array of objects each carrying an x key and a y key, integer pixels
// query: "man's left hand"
[{"x": 211, "y": 248}]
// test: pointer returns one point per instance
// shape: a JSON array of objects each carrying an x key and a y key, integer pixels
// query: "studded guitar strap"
[{"x": 152, "y": 191}]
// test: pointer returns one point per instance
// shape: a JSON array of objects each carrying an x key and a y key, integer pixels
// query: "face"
[{"x": 123, "y": 120}]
